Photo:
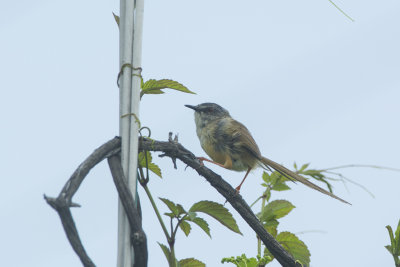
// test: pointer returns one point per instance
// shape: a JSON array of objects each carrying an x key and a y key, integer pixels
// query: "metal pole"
[{"x": 124, "y": 250}]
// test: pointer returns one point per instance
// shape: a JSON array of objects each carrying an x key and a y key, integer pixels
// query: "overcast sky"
[{"x": 311, "y": 86}]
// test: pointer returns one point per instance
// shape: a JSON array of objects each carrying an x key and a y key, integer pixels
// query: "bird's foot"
[
  {"x": 201, "y": 159},
  {"x": 238, "y": 190}
]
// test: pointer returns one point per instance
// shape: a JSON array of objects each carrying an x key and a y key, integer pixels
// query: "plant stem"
[
  {"x": 153, "y": 204},
  {"x": 258, "y": 238},
  {"x": 256, "y": 201}
]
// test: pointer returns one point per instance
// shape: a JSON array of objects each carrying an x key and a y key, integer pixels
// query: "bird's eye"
[{"x": 210, "y": 110}]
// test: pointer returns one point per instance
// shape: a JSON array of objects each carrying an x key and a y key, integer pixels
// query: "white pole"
[
  {"x": 124, "y": 250},
  {"x": 135, "y": 96}
]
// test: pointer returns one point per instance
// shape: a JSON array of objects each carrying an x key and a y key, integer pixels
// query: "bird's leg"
[
  {"x": 239, "y": 186},
  {"x": 201, "y": 159}
]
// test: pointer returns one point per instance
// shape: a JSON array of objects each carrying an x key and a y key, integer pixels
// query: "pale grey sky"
[{"x": 309, "y": 84}]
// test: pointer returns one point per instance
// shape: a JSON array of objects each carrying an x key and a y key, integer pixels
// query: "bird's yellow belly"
[{"x": 217, "y": 156}]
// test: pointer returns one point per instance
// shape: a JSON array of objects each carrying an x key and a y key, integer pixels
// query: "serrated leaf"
[
  {"x": 218, "y": 212},
  {"x": 166, "y": 251},
  {"x": 153, "y": 92},
  {"x": 280, "y": 187},
  {"x": 191, "y": 262},
  {"x": 181, "y": 210},
  {"x": 276, "y": 209},
  {"x": 274, "y": 177},
  {"x": 154, "y": 87},
  {"x": 171, "y": 205},
  {"x": 266, "y": 177},
  {"x": 242, "y": 261},
  {"x": 202, "y": 224},
  {"x": 294, "y": 246},
  {"x": 152, "y": 167},
  {"x": 185, "y": 227},
  {"x": 389, "y": 248},
  {"x": 116, "y": 19}
]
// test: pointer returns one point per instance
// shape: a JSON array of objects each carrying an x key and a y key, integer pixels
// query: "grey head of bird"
[{"x": 208, "y": 112}]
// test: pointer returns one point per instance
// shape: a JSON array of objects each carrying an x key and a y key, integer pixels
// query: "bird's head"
[{"x": 207, "y": 112}]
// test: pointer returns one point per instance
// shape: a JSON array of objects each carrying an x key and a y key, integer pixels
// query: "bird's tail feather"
[{"x": 289, "y": 174}]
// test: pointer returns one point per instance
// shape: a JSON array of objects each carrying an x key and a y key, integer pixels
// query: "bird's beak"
[{"x": 192, "y": 107}]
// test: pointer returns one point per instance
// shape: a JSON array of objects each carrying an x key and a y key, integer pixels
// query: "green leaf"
[
  {"x": 218, "y": 212},
  {"x": 276, "y": 209},
  {"x": 152, "y": 167},
  {"x": 280, "y": 187},
  {"x": 116, "y": 19},
  {"x": 181, "y": 210},
  {"x": 397, "y": 238},
  {"x": 191, "y": 215},
  {"x": 392, "y": 240},
  {"x": 267, "y": 194},
  {"x": 266, "y": 177},
  {"x": 191, "y": 262},
  {"x": 304, "y": 167},
  {"x": 154, "y": 87},
  {"x": 170, "y": 214},
  {"x": 185, "y": 227},
  {"x": 166, "y": 251},
  {"x": 271, "y": 226},
  {"x": 294, "y": 246},
  {"x": 171, "y": 205},
  {"x": 202, "y": 224},
  {"x": 242, "y": 261}
]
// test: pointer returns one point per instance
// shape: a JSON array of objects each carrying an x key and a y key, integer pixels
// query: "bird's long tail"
[{"x": 286, "y": 172}]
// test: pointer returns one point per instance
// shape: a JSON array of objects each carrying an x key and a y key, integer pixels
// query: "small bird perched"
[{"x": 230, "y": 145}]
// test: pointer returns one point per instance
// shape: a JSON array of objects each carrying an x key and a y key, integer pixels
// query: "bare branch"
[
  {"x": 63, "y": 202},
  {"x": 133, "y": 213},
  {"x": 70, "y": 230}
]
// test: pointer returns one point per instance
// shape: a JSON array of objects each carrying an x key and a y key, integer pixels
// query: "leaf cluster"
[
  {"x": 271, "y": 212},
  {"x": 243, "y": 261},
  {"x": 145, "y": 160},
  {"x": 394, "y": 247},
  {"x": 185, "y": 220}
]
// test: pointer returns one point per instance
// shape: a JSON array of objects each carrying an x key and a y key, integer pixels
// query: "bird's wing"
[{"x": 243, "y": 139}]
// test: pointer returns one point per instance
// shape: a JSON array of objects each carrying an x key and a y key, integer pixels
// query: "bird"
[{"x": 230, "y": 145}]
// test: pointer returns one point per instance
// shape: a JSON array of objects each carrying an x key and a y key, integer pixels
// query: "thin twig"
[{"x": 363, "y": 166}]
